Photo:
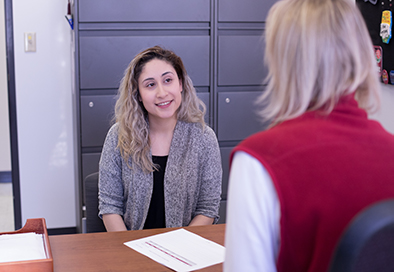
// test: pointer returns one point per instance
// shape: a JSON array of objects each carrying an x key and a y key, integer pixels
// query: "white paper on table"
[
  {"x": 21, "y": 247},
  {"x": 180, "y": 250}
]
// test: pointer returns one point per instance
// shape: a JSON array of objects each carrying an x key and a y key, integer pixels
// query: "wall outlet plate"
[{"x": 30, "y": 42}]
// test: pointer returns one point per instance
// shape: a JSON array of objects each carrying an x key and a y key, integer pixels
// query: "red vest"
[{"x": 325, "y": 168}]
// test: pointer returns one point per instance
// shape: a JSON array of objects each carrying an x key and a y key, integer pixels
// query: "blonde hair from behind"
[
  {"x": 317, "y": 51},
  {"x": 131, "y": 116}
]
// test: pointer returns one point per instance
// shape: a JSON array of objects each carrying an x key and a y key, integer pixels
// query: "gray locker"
[
  {"x": 244, "y": 11},
  {"x": 205, "y": 98},
  {"x": 96, "y": 117},
  {"x": 90, "y": 163},
  {"x": 104, "y": 59},
  {"x": 225, "y": 154},
  {"x": 237, "y": 115},
  {"x": 144, "y": 11},
  {"x": 240, "y": 60},
  {"x": 222, "y": 211}
]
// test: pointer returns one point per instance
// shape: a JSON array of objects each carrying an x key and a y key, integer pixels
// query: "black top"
[{"x": 156, "y": 215}]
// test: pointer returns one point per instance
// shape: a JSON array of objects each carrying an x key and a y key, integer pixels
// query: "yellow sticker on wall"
[{"x": 385, "y": 26}]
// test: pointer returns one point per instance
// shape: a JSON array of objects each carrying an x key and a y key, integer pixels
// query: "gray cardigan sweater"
[{"x": 192, "y": 180}]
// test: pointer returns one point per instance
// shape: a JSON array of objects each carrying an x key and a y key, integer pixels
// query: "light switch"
[{"x": 30, "y": 42}]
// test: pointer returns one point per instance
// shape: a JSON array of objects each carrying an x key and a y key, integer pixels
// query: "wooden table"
[{"x": 105, "y": 251}]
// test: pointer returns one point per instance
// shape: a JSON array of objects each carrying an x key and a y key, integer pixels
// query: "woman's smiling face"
[{"x": 160, "y": 90}]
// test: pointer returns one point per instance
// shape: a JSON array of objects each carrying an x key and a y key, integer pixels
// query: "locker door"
[{"x": 237, "y": 115}]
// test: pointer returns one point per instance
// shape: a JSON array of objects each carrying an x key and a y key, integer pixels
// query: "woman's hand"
[
  {"x": 200, "y": 220},
  {"x": 114, "y": 222}
]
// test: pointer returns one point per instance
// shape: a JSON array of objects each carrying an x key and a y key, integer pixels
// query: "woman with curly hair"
[{"x": 160, "y": 165}]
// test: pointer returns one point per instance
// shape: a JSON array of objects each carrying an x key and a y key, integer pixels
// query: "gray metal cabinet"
[
  {"x": 205, "y": 98},
  {"x": 240, "y": 73},
  {"x": 98, "y": 11},
  {"x": 96, "y": 118},
  {"x": 222, "y": 212},
  {"x": 225, "y": 153},
  {"x": 244, "y": 10},
  {"x": 219, "y": 41},
  {"x": 237, "y": 119},
  {"x": 103, "y": 59},
  {"x": 90, "y": 163},
  {"x": 237, "y": 115},
  {"x": 240, "y": 60}
]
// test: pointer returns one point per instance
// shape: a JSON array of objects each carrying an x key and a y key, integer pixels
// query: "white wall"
[
  {"x": 386, "y": 114},
  {"x": 44, "y": 113},
  {"x": 5, "y": 155}
]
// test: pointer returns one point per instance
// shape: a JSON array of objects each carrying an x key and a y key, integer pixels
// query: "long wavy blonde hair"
[
  {"x": 317, "y": 51},
  {"x": 131, "y": 115}
]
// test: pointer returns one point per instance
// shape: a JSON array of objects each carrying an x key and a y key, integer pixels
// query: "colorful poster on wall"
[
  {"x": 379, "y": 58},
  {"x": 385, "y": 26}
]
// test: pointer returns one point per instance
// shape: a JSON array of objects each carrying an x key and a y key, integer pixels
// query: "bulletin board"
[{"x": 372, "y": 11}]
